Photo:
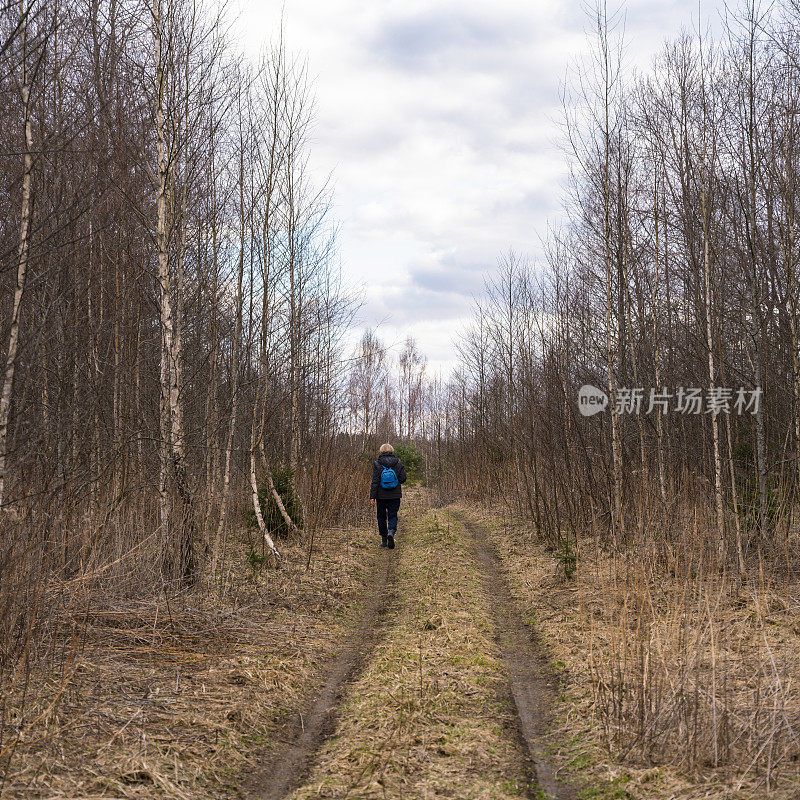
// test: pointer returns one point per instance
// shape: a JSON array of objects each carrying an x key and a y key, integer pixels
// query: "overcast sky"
[{"x": 438, "y": 122}]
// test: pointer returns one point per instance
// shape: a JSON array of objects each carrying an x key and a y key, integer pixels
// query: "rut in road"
[
  {"x": 531, "y": 681},
  {"x": 289, "y": 763}
]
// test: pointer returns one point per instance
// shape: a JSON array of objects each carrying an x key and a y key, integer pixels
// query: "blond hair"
[{"x": 387, "y": 448}]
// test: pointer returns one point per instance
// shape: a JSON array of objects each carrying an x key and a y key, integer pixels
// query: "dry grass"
[
  {"x": 429, "y": 717},
  {"x": 175, "y": 698},
  {"x": 677, "y": 680}
]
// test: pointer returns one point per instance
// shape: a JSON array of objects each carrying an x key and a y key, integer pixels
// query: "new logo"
[{"x": 591, "y": 400}]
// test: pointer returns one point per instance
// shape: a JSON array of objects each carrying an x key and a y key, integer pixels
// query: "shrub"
[
  {"x": 282, "y": 477},
  {"x": 412, "y": 459}
]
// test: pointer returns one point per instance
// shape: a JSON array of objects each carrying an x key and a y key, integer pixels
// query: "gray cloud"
[
  {"x": 440, "y": 123},
  {"x": 534, "y": 204},
  {"x": 416, "y": 304},
  {"x": 447, "y": 38},
  {"x": 363, "y": 143},
  {"x": 452, "y": 279}
]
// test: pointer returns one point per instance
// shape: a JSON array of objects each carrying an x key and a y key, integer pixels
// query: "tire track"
[
  {"x": 290, "y": 761},
  {"x": 531, "y": 682}
]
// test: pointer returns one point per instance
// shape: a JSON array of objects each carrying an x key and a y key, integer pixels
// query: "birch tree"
[{"x": 26, "y": 13}]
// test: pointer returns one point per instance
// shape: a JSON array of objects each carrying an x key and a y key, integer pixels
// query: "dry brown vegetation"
[
  {"x": 674, "y": 683},
  {"x": 171, "y": 317},
  {"x": 177, "y": 697},
  {"x": 675, "y": 272},
  {"x": 173, "y": 320}
]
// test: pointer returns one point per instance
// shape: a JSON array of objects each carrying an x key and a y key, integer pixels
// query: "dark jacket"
[{"x": 376, "y": 491}]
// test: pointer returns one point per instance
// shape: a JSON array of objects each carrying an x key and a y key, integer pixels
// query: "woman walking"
[{"x": 388, "y": 475}]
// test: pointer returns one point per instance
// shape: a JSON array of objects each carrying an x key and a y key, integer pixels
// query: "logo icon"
[{"x": 591, "y": 400}]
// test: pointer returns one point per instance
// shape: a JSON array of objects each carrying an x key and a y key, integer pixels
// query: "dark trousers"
[{"x": 387, "y": 515}]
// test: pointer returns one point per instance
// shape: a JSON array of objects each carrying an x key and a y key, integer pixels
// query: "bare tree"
[{"x": 27, "y": 68}]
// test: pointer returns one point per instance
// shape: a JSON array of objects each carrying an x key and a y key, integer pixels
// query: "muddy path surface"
[
  {"x": 288, "y": 763},
  {"x": 532, "y": 684}
]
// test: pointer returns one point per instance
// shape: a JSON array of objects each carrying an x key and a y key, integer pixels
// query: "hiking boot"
[
  {"x": 383, "y": 541},
  {"x": 390, "y": 537}
]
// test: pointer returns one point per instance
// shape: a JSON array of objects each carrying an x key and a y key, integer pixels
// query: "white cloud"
[{"x": 439, "y": 124}]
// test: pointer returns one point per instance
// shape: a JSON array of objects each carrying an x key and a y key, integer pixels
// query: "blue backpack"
[{"x": 388, "y": 478}]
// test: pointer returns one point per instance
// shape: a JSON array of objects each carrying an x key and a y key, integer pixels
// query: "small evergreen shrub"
[
  {"x": 412, "y": 459},
  {"x": 282, "y": 477},
  {"x": 568, "y": 560},
  {"x": 255, "y": 560}
]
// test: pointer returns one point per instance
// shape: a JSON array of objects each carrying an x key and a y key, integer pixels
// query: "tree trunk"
[
  {"x": 711, "y": 379},
  {"x": 254, "y": 442},
  {"x": 22, "y": 262},
  {"x": 237, "y": 332}
]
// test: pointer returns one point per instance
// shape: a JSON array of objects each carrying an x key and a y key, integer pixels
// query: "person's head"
[{"x": 386, "y": 448}]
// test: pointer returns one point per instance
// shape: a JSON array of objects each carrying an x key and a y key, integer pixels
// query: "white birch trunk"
[
  {"x": 22, "y": 266},
  {"x": 735, "y": 499},
  {"x": 616, "y": 449},
  {"x": 237, "y": 332},
  {"x": 256, "y": 504},
  {"x": 662, "y": 483},
  {"x": 165, "y": 307},
  {"x": 712, "y": 383}
]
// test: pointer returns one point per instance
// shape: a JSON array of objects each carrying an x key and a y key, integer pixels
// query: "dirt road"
[
  {"x": 289, "y": 762},
  {"x": 440, "y": 691},
  {"x": 529, "y": 674}
]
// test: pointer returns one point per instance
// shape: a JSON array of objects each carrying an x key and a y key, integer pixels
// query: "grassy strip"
[{"x": 429, "y": 717}]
